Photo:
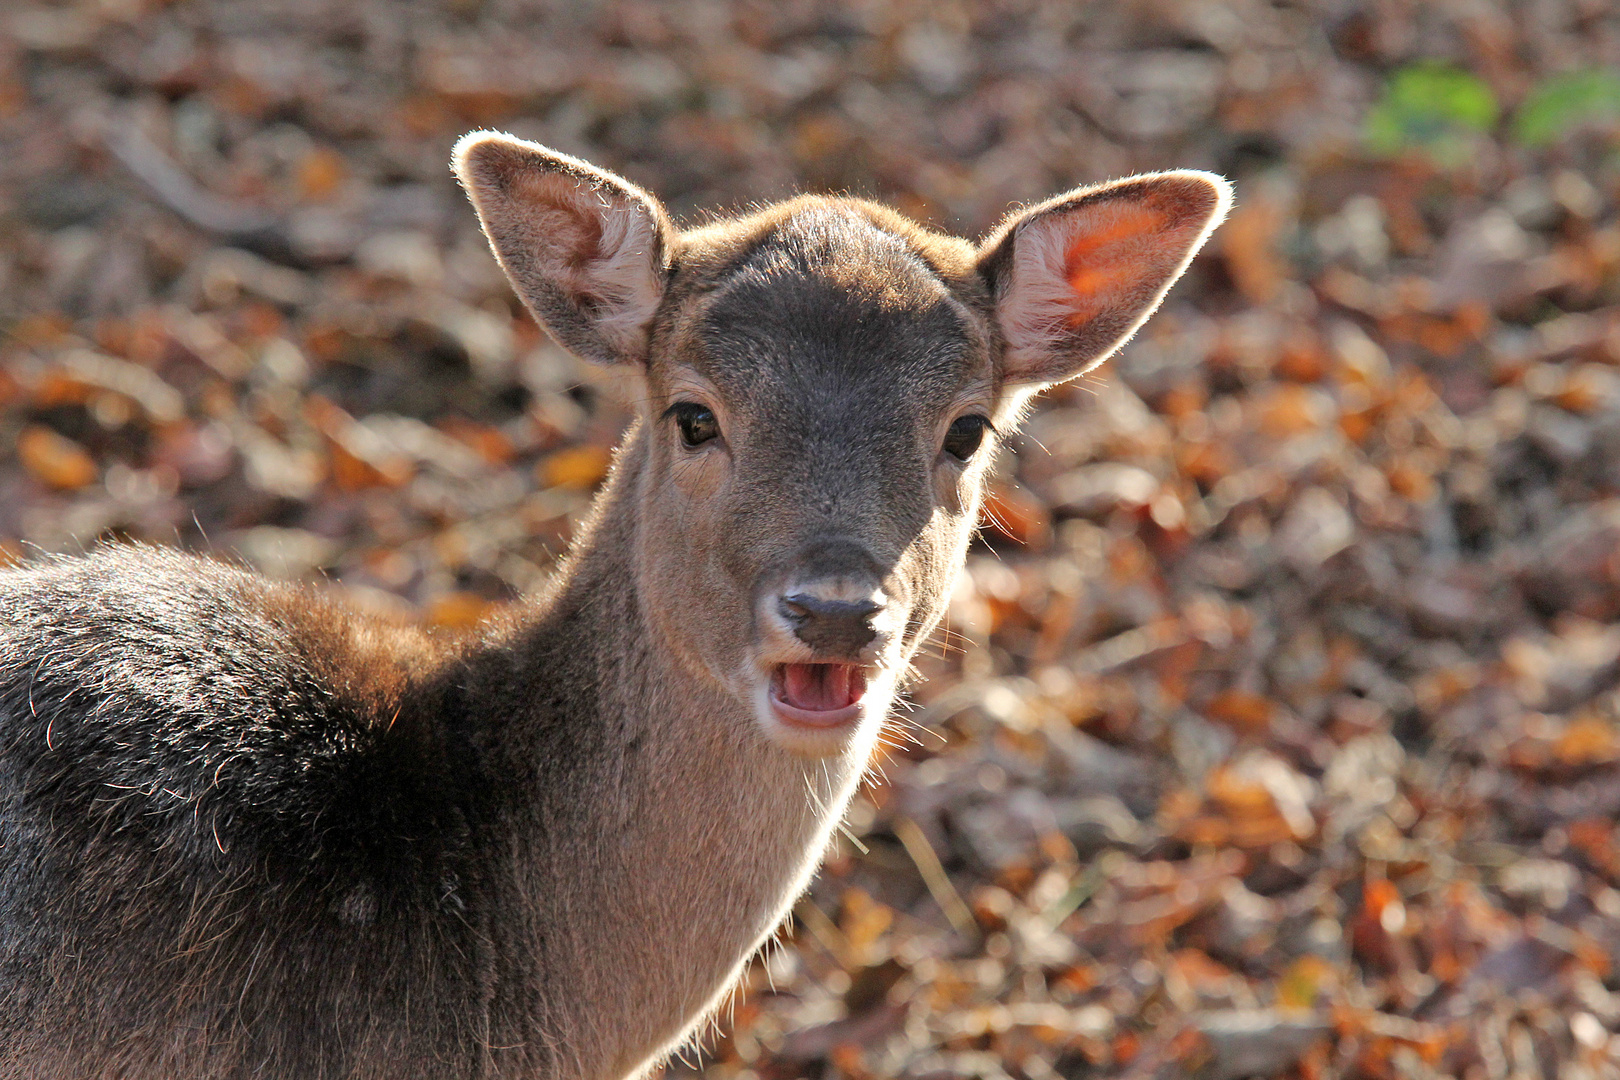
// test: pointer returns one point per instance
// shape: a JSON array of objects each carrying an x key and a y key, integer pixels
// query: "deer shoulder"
[
  {"x": 203, "y": 771},
  {"x": 146, "y": 691}
]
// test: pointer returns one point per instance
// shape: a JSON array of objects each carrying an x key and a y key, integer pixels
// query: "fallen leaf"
[
  {"x": 579, "y": 468},
  {"x": 55, "y": 459}
]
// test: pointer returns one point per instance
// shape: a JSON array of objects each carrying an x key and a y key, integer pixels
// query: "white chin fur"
[{"x": 855, "y": 737}]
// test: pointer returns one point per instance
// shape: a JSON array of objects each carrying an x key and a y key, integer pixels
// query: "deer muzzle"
[{"x": 826, "y": 628}]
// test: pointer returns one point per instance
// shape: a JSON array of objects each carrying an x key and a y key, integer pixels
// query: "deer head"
[{"x": 826, "y": 384}]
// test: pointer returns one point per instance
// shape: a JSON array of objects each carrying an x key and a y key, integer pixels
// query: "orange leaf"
[
  {"x": 350, "y": 473},
  {"x": 1357, "y": 425},
  {"x": 1594, "y": 838},
  {"x": 1587, "y": 741},
  {"x": 848, "y": 1059},
  {"x": 321, "y": 173},
  {"x": 1289, "y": 409},
  {"x": 58, "y": 389},
  {"x": 1411, "y": 481},
  {"x": 1248, "y": 713},
  {"x": 1377, "y": 895},
  {"x": 579, "y": 467},
  {"x": 1302, "y": 361},
  {"x": 55, "y": 459},
  {"x": 1238, "y": 794}
]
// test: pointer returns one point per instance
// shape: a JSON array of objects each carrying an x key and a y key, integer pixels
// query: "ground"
[{"x": 1275, "y": 733}]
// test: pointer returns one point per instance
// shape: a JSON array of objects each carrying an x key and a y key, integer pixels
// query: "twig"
[
  {"x": 827, "y": 934},
  {"x": 933, "y": 874},
  {"x": 244, "y": 224}
]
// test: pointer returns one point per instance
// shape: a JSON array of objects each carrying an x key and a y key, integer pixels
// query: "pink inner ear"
[
  {"x": 558, "y": 205},
  {"x": 1109, "y": 260}
]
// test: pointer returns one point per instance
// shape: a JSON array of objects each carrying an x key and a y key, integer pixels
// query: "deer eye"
[
  {"x": 697, "y": 422},
  {"x": 965, "y": 435}
]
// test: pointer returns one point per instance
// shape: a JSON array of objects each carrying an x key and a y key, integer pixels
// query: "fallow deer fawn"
[{"x": 245, "y": 832}]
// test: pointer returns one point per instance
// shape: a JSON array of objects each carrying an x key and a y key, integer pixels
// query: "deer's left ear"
[{"x": 1074, "y": 277}]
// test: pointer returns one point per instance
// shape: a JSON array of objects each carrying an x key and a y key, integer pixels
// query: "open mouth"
[{"x": 817, "y": 695}]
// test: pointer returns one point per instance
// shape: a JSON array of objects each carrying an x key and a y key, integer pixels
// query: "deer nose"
[{"x": 830, "y": 627}]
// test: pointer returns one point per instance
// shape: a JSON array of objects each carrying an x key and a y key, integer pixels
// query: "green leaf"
[
  {"x": 1434, "y": 107},
  {"x": 1565, "y": 101}
]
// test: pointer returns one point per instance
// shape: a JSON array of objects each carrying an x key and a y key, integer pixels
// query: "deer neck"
[{"x": 663, "y": 833}]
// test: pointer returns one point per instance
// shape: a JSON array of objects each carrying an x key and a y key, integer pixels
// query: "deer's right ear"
[{"x": 586, "y": 250}]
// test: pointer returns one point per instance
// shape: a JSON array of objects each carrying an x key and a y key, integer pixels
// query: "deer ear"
[
  {"x": 586, "y": 250},
  {"x": 1074, "y": 277}
]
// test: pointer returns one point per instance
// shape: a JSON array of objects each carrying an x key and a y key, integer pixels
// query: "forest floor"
[{"x": 1277, "y": 727}]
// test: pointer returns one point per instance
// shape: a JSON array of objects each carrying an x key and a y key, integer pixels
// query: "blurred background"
[{"x": 1275, "y": 731}]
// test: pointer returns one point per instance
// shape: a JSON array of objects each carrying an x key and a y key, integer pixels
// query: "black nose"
[{"x": 830, "y": 627}]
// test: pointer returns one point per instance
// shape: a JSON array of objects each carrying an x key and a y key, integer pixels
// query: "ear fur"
[
  {"x": 1074, "y": 277},
  {"x": 587, "y": 251}
]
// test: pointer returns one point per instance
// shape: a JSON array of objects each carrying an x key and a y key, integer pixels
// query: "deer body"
[
  {"x": 245, "y": 831},
  {"x": 609, "y": 872}
]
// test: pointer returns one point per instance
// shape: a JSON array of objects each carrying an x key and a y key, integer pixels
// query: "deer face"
[
  {"x": 822, "y": 402},
  {"x": 826, "y": 382}
]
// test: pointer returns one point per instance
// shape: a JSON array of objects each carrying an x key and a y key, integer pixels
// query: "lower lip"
[
  {"x": 813, "y": 719},
  {"x": 817, "y": 720}
]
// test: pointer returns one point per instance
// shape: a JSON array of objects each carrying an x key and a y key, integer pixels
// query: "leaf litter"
[{"x": 1275, "y": 730}]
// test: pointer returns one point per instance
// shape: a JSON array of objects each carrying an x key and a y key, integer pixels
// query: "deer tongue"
[{"x": 821, "y": 687}]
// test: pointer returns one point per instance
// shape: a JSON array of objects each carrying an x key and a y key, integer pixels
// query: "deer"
[{"x": 249, "y": 831}]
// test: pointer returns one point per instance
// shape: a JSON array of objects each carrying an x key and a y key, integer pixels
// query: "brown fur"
[{"x": 245, "y": 831}]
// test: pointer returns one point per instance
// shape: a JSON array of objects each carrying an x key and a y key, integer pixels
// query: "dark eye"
[
  {"x": 697, "y": 422},
  {"x": 965, "y": 435}
]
